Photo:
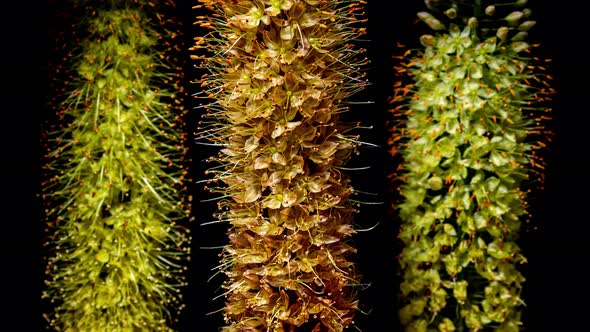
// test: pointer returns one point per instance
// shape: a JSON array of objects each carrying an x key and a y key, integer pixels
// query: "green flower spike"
[
  {"x": 279, "y": 73},
  {"x": 115, "y": 173},
  {"x": 470, "y": 107}
]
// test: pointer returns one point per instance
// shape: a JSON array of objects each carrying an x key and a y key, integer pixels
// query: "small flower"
[
  {"x": 277, "y": 5},
  {"x": 252, "y": 18}
]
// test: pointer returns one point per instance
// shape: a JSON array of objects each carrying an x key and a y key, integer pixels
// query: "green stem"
[{"x": 477, "y": 9}]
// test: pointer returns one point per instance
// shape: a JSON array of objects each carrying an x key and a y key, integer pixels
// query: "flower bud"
[
  {"x": 527, "y": 12},
  {"x": 427, "y": 40},
  {"x": 435, "y": 183},
  {"x": 472, "y": 22},
  {"x": 431, "y": 4},
  {"x": 451, "y": 13},
  {"x": 502, "y": 33},
  {"x": 521, "y": 35},
  {"x": 432, "y": 21},
  {"x": 490, "y": 10},
  {"x": 526, "y": 25},
  {"x": 519, "y": 46},
  {"x": 514, "y": 17}
]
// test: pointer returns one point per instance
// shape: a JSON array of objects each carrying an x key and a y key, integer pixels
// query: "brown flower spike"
[{"x": 278, "y": 73}]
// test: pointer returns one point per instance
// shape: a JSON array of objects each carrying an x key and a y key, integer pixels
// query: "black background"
[{"x": 556, "y": 291}]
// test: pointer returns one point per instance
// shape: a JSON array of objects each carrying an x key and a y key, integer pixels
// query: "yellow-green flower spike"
[
  {"x": 279, "y": 73},
  {"x": 470, "y": 108},
  {"x": 115, "y": 179}
]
